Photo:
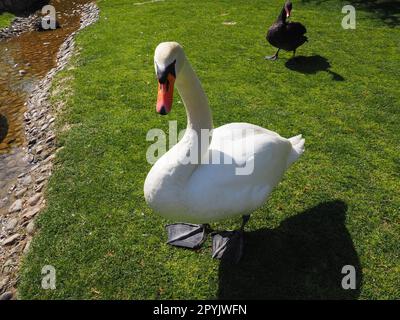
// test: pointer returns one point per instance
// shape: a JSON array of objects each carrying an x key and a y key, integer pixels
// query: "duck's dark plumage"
[{"x": 285, "y": 35}]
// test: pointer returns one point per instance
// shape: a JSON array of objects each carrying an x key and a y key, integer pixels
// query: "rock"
[
  {"x": 11, "y": 224},
  {"x": 30, "y": 213},
  {"x": 21, "y": 192},
  {"x": 16, "y": 206},
  {"x": 27, "y": 246},
  {"x": 31, "y": 228},
  {"x": 3, "y": 202},
  {"x": 50, "y": 138},
  {"x": 10, "y": 240},
  {"x": 40, "y": 179},
  {"x": 23, "y": 174},
  {"x": 34, "y": 200},
  {"x": 39, "y": 187},
  {"x": 8, "y": 263},
  {"x": 3, "y": 146},
  {"x": 26, "y": 180},
  {"x": 6, "y": 296},
  {"x": 39, "y": 149},
  {"x": 3, "y": 283},
  {"x": 50, "y": 158}
]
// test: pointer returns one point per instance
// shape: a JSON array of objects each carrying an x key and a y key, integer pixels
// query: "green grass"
[
  {"x": 338, "y": 205},
  {"x": 5, "y": 19}
]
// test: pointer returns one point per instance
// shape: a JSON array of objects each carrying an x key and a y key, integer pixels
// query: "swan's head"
[
  {"x": 288, "y": 8},
  {"x": 169, "y": 59}
]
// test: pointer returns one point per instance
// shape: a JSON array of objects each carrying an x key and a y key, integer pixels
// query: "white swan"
[{"x": 203, "y": 193}]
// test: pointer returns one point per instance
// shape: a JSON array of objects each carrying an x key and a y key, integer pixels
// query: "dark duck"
[{"x": 285, "y": 35}]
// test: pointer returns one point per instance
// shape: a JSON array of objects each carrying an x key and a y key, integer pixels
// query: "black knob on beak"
[{"x": 163, "y": 111}]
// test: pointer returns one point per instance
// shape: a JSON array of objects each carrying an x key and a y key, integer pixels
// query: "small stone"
[
  {"x": 50, "y": 138},
  {"x": 50, "y": 158},
  {"x": 3, "y": 283},
  {"x": 30, "y": 213},
  {"x": 3, "y": 202},
  {"x": 39, "y": 187},
  {"x": 21, "y": 175},
  {"x": 31, "y": 228},
  {"x": 11, "y": 224},
  {"x": 10, "y": 240},
  {"x": 27, "y": 246},
  {"x": 21, "y": 192},
  {"x": 40, "y": 179},
  {"x": 39, "y": 149},
  {"x": 34, "y": 200},
  {"x": 6, "y": 296},
  {"x": 26, "y": 180},
  {"x": 8, "y": 263},
  {"x": 16, "y": 206}
]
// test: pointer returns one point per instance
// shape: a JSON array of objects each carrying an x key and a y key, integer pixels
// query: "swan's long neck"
[
  {"x": 195, "y": 100},
  {"x": 198, "y": 118},
  {"x": 282, "y": 16}
]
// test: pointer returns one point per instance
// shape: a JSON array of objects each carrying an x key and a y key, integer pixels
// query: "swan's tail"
[{"x": 297, "y": 150}]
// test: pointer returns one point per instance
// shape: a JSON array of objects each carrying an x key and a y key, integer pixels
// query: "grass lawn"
[
  {"x": 339, "y": 205},
  {"x": 5, "y": 19}
]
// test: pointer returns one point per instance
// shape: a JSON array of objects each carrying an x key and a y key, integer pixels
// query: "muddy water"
[{"x": 24, "y": 61}]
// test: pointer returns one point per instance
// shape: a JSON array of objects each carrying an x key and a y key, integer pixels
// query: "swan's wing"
[
  {"x": 238, "y": 173},
  {"x": 241, "y": 127},
  {"x": 296, "y": 29}
]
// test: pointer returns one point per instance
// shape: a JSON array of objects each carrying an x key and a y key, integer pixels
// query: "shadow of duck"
[
  {"x": 312, "y": 65},
  {"x": 301, "y": 259},
  {"x": 3, "y": 127}
]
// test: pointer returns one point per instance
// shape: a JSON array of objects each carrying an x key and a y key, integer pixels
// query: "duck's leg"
[
  {"x": 229, "y": 243},
  {"x": 294, "y": 53},
  {"x": 274, "y": 57},
  {"x": 185, "y": 235}
]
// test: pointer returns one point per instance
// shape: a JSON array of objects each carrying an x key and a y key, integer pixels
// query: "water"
[{"x": 24, "y": 61}]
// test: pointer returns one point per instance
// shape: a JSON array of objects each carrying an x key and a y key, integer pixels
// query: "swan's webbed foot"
[
  {"x": 228, "y": 245},
  {"x": 185, "y": 235},
  {"x": 274, "y": 57}
]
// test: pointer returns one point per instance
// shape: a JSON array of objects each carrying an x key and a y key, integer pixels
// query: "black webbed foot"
[
  {"x": 272, "y": 58},
  {"x": 185, "y": 235},
  {"x": 228, "y": 245}
]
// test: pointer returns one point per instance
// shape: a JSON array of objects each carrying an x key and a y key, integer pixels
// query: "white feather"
[{"x": 204, "y": 193}]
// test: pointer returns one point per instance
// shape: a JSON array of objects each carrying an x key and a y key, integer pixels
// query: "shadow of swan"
[
  {"x": 301, "y": 259},
  {"x": 312, "y": 65}
]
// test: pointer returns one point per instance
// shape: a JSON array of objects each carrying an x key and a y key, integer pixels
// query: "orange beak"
[{"x": 165, "y": 96}]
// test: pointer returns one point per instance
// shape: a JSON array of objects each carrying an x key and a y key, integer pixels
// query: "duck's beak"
[
  {"x": 287, "y": 13},
  {"x": 166, "y": 82}
]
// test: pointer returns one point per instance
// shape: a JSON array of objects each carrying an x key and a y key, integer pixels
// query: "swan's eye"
[{"x": 162, "y": 74}]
